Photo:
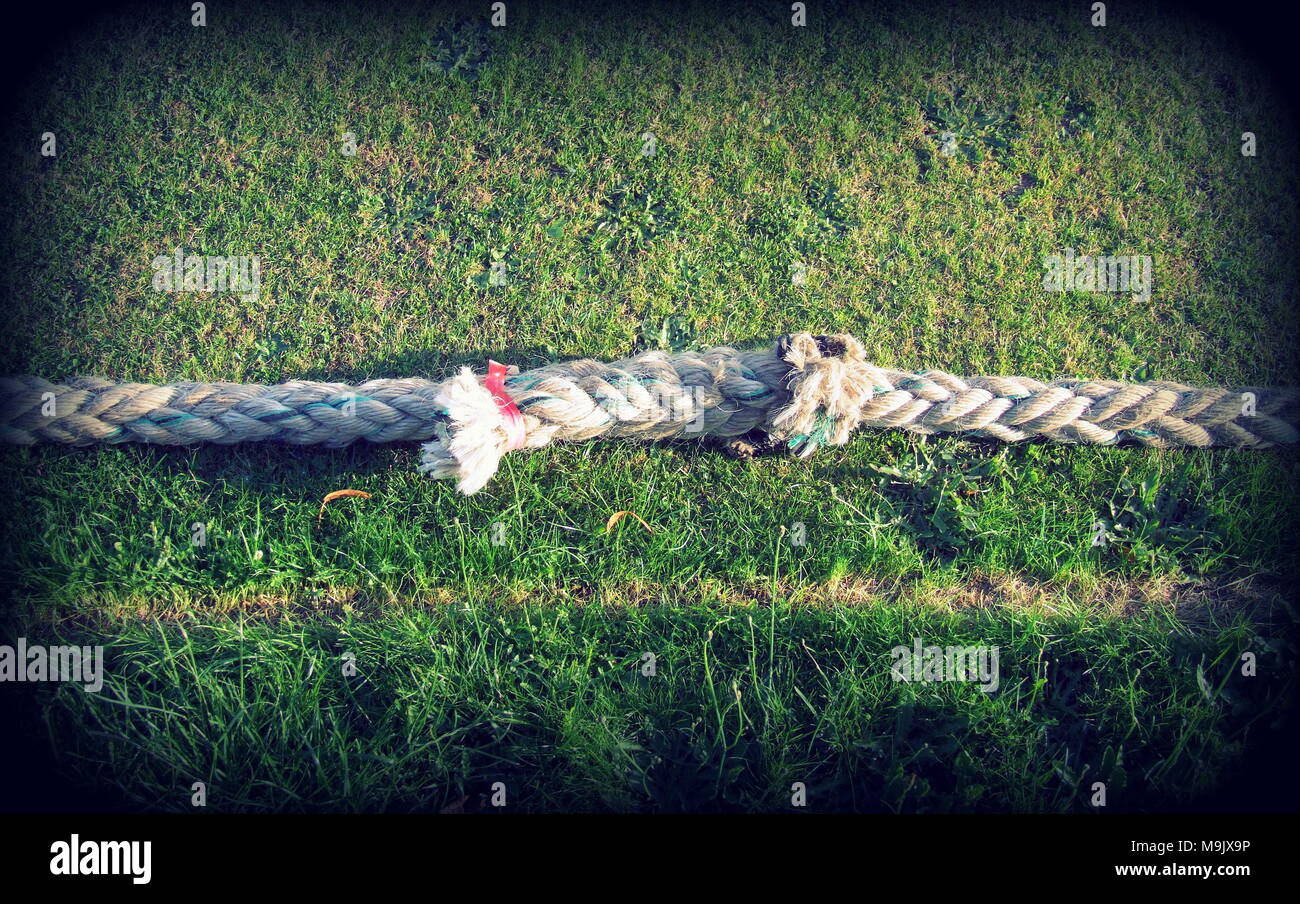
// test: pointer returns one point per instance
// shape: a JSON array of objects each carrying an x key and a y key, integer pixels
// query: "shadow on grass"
[{"x": 559, "y": 708}]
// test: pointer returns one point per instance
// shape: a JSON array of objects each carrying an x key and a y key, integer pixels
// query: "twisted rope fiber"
[{"x": 810, "y": 391}]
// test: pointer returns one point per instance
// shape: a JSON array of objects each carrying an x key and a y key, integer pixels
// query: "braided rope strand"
[
  {"x": 88, "y": 410},
  {"x": 808, "y": 390}
]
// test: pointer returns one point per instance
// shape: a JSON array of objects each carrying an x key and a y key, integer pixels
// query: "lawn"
[{"x": 424, "y": 191}]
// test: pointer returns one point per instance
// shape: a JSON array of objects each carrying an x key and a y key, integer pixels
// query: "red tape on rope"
[{"x": 514, "y": 421}]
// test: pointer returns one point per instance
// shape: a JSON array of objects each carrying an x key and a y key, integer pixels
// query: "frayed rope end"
[
  {"x": 468, "y": 447},
  {"x": 830, "y": 380}
]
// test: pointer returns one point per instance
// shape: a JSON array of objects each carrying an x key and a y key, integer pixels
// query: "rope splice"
[{"x": 807, "y": 390}]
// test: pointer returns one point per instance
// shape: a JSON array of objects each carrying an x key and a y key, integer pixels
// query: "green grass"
[
  {"x": 775, "y": 149},
  {"x": 554, "y": 702},
  {"x": 118, "y": 525}
]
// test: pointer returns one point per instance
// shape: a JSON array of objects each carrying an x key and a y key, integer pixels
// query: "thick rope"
[{"x": 809, "y": 391}]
